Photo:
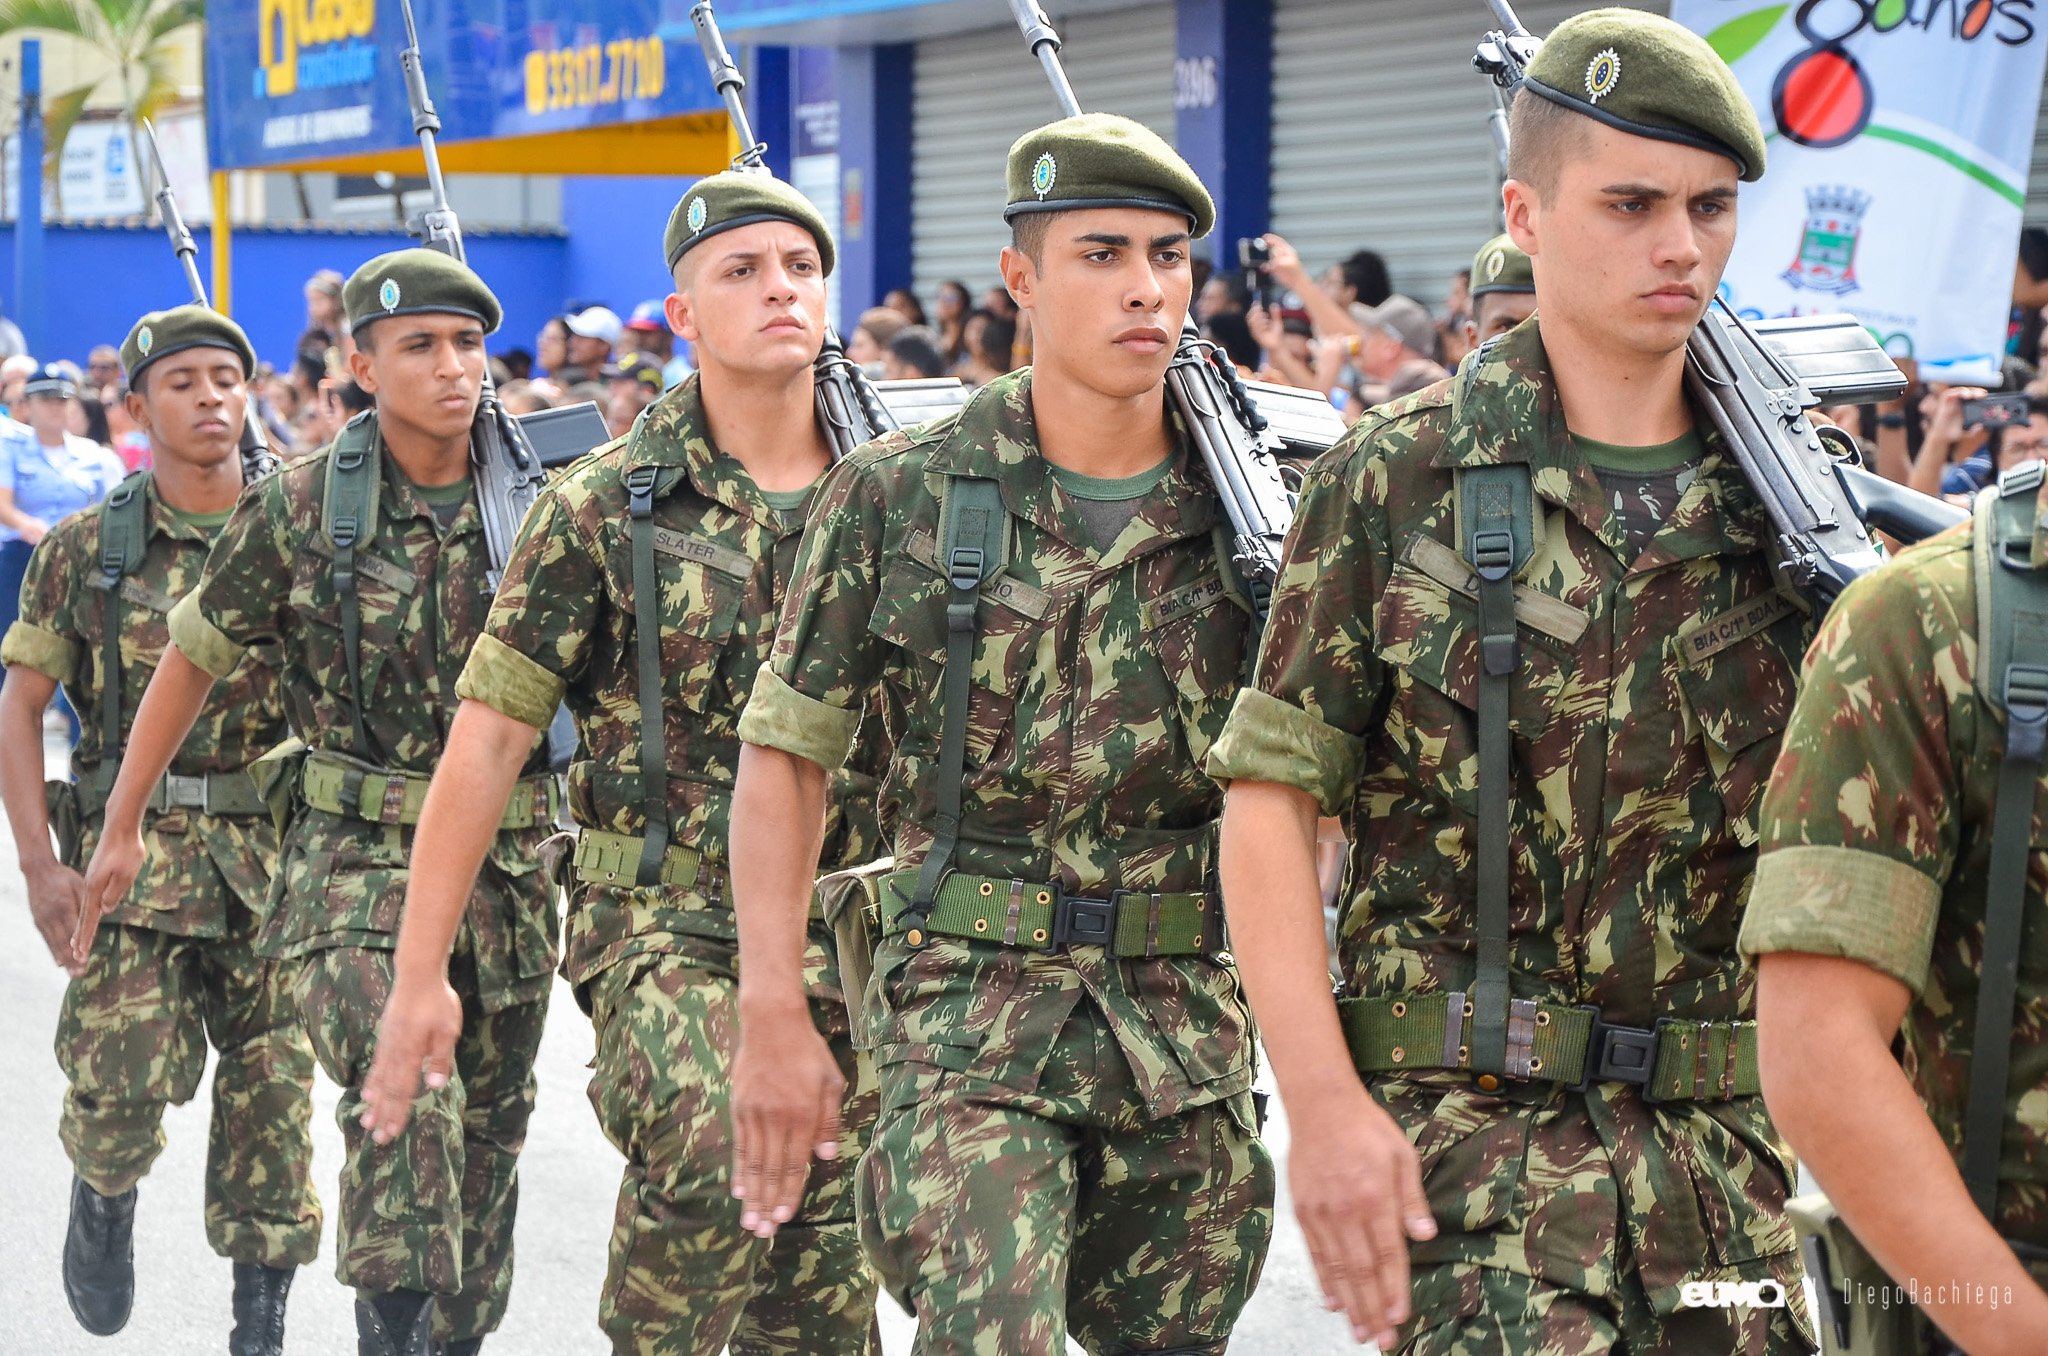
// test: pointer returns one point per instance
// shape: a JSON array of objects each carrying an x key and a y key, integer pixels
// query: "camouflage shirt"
[
  {"x": 1099, "y": 680},
  {"x": 562, "y": 626},
  {"x": 422, "y": 590},
  {"x": 1646, "y": 712},
  {"x": 195, "y": 863},
  {"x": 1877, "y": 841}
]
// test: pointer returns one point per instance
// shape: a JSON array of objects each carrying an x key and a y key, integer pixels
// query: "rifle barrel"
[
  {"x": 726, "y": 77},
  {"x": 174, "y": 222},
  {"x": 1505, "y": 12},
  {"x": 1044, "y": 41}
]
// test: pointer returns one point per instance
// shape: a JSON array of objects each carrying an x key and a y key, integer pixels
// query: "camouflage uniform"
[
  {"x": 433, "y": 1210},
  {"x": 1067, "y": 1139},
  {"x": 655, "y": 966},
  {"x": 1568, "y": 1222},
  {"x": 1877, "y": 843},
  {"x": 173, "y": 965}
]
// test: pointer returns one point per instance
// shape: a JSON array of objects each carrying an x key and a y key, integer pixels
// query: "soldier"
[
  {"x": 696, "y": 514},
  {"x": 1898, "y": 877},
  {"x": 1503, "y": 290},
  {"x": 1527, "y": 642},
  {"x": 1067, "y": 1138},
  {"x": 365, "y": 564},
  {"x": 173, "y": 963}
]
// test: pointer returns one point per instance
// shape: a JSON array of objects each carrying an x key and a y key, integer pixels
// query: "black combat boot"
[
  {"x": 99, "y": 1258},
  {"x": 259, "y": 1309},
  {"x": 396, "y": 1324}
]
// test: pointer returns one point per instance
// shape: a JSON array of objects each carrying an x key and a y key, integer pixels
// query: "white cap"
[{"x": 599, "y": 322}]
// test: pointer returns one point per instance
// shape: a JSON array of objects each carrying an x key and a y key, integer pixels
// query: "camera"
[{"x": 1253, "y": 254}]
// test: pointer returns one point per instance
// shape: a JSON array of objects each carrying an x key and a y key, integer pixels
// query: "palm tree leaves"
[{"x": 131, "y": 36}]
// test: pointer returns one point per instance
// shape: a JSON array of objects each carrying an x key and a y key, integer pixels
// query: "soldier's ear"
[
  {"x": 680, "y": 309},
  {"x": 1521, "y": 208},
  {"x": 1020, "y": 275},
  {"x": 138, "y": 409}
]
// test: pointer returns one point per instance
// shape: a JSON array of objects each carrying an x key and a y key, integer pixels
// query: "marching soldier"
[
  {"x": 1527, "y": 641},
  {"x": 365, "y": 566},
  {"x": 1899, "y": 896},
  {"x": 652, "y": 573},
  {"x": 1503, "y": 290},
  {"x": 1038, "y": 588},
  {"x": 172, "y": 964}
]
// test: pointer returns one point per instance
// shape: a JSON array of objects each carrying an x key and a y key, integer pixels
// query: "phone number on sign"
[{"x": 587, "y": 76}]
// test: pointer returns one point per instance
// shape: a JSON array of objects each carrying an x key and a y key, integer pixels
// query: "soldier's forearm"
[
  {"x": 22, "y": 700},
  {"x": 465, "y": 804},
  {"x": 1840, "y": 1098},
  {"x": 778, "y": 825},
  {"x": 170, "y": 704},
  {"x": 1275, "y": 905}
]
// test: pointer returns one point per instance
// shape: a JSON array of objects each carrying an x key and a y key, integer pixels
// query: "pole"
[
  {"x": 29, "y": 276},
  {"x": 1044, "y": 42},
  {"x": 223, "y": 241}
]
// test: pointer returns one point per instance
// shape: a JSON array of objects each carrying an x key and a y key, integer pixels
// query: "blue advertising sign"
[{"x": 295, "y": 81}]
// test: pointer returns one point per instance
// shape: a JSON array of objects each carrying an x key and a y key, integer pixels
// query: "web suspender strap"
[
  {"x": 647, "y": 634},
  {"x": 124, "y": 537},
  {"x": 971, "y": 551}
]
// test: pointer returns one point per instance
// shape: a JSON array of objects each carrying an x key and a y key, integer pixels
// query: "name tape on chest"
[
  {"x": 133, "y": 592},
  {"x": 1702, "y": 642},
  {"x": 1014, "y": 594},
  {"x": 1539, "y": 611},
  {"x": 684, "y": 546},
  {"x": 374, "y": 568},
  {"x": 1185, "y": 601}
]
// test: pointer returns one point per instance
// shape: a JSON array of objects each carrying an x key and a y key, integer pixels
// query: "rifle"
[
  {"x": 507, "y": 471},
  {"x": 1236, "y": 442},
  {"x": 851, "y": 410},
  {"x": 1756, "y": 383},
  {"x": 257, "y": 458}
]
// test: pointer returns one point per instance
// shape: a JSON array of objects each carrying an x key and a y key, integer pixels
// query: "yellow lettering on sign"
[{"x": 591, "y": 75}]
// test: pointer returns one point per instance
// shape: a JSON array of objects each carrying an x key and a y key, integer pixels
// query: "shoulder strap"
[
  {"x": 124, "y": 538},
  {"x": 348, "y": 517},
  {"x": 640, "y": 488},
  {"x": 974, "y": 547},
  {"x": 1496, "y": 516},
  {"x": 2012, "y": 664}
]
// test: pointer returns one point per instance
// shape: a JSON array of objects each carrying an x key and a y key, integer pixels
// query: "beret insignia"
[
  {"x": 387, "y": 295},
  {"x": 1495, "y": 262},
  {"x": 1603, "y": 73},
  {"x": 1043, "y": 174},
  {"x": 143, "y": 340},
  {"x": 696, "y": 214}
]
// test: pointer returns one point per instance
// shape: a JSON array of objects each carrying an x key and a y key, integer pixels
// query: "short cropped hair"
[{"x": 1542, "y": 135}]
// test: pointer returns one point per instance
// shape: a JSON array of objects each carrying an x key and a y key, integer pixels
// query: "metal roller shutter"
[
  {"x": 1379, "y": 132},
  {"x": 975, "y": 93},
  {"x": 2037, "y": 173}
]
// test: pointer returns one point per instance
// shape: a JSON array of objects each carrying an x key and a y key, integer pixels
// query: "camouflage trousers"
[
  {"x": 132, "y": 1039},
  {"x": 684, "y": 1280},
  {"x": 433, "y": 1209},
  {"x": 1464, "y": 1309},
  {"x": 1007, "y": 1221}
]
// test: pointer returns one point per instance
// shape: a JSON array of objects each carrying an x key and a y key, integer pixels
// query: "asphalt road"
[{"x": 569, "y": 1179}]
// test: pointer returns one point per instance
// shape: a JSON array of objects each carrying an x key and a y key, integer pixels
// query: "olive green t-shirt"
[
  {"x": 1643, "y": 484},
  {"x": 445, "y": 500},
  {"x": 1108, "y": 505},
  {"x": 789, "y": 504},
  {"x": 206, "y": 523}
]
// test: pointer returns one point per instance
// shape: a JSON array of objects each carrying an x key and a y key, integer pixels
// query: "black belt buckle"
[
  {"x": 1079, "y": 921},
  {"x": 1618, "y": 1054}
]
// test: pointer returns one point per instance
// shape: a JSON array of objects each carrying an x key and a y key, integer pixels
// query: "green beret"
[
  {"x": 417, "y": 282},
  {"x": 734, "y": 198},
  {"x": 1104, "y": 160},
  {"x": 1501, "y": 267},
  {"x": 162, "y": 333},
  {"x": 1644, "y": 74}
]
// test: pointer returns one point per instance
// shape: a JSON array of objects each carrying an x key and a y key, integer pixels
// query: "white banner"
[{"x": 1900, "y": 135}]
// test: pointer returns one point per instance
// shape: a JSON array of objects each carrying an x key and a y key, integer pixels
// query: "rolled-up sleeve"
[
  {"x": 1268, "y": 740},
  {"x": 780, "y": 717}
]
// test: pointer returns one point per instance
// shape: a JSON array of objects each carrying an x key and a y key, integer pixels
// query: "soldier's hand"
[
  {"x": 1357, "y": 1188},
  {"x": 56, "y": 895},
  {"x": 786, "y": 1091},
  {"x": 109, "y": 876},
  {"x": 415, "y": 1042}
]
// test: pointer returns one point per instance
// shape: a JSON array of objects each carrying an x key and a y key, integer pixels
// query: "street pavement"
[{"x": 569, "y": 1179}]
